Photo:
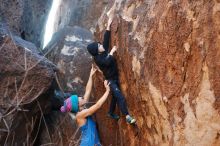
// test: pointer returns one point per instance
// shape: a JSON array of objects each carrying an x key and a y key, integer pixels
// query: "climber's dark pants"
[{"x": 117, "y": 97}]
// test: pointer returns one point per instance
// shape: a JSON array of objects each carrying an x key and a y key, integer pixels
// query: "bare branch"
[
  {"x": 58, "y": 82},
  {"x": 6, "y": 124},
  {"x": 13, "y": 138},
  {"x": 52, "y": 144},
  {"x": 25, "y": 60},
  {"x": 34, "y": 98},
  {"x": 2, "y": 46},
  {"x": 44, "y": 121},
  {"x": 38, "y": 129},
  {"x": 16, "y": 89},
  {"x": 43, "y": 58},
  {"x": 72, "y": 139},
  {"x": 14, "y": 45},
  {"x": 22, "y": 83}
]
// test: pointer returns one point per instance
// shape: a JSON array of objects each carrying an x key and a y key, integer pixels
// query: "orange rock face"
[{"x": 168, "y": 58}]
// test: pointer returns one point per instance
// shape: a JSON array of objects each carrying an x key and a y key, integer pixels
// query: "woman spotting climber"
[
  {"x": 107, "y": 64},
  {"x": 84, "y": 120}
]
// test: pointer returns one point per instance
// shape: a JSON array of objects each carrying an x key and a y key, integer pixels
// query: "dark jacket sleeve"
[
  {"x": 107, "y": 60},
  {"x": 106, "y": 40}
]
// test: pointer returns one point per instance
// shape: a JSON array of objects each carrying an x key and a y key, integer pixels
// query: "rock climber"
[
  {"x": 84, "y": 120},
  {"x": 107, "y": 64}
]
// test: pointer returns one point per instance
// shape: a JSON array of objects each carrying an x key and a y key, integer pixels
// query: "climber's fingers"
[
  {"x": 93, "y": 69},
  {"x": 97, "y": 68},
  {"x": 106, "y": 83}
]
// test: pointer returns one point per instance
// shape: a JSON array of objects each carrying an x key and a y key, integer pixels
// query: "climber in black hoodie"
[{"x": 107, "y": 64}]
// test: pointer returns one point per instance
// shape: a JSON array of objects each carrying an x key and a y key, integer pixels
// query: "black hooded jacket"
[{"x": 106, "y": 62}]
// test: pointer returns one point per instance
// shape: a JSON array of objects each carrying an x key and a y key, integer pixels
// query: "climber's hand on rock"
[
  {"x": 106, "y": 83},
  {"x": 111, "y": 12},
  {"x": 114, "y": 49},
  {"x": 111, "y": 15},
  {"x": 93, "y": 70},
  {"x": 109, "y": 23}
]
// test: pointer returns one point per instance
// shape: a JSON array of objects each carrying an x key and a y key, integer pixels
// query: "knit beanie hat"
[
  {"x": 70, "y": 104},
  {"x": 93, "y": 48}
]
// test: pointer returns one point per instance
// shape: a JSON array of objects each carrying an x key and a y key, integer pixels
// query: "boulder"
[
  {"x": 68, "y": 51},
  {"x": 25, "y": 78},
  {"x": 26, "y": 18}
]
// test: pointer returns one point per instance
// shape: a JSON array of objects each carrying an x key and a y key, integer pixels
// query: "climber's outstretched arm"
[
  {"x": 113, "y": 50},
  {"x": 107, "y": 32},
  {"x": 89, "y": 85},
  {"x": 109, "y": 23},
  {"x": 111, "y": 14},
  {"x": 87, "y": 112}
]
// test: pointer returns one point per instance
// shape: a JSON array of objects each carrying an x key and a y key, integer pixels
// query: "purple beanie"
[{"x": 70, "y": 104}]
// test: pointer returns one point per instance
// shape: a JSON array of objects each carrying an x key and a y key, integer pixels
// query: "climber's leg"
[
  {"x": 119, "y": 97},
  {"x": 113, "y": 104},
  {"x": 112, "y": 108},
  {"x": 114, "y": 85}
]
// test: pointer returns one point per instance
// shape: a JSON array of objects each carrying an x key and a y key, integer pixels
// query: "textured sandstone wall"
[{"x": 168, "y": 57}]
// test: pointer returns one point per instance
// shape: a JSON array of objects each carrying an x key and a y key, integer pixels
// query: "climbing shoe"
[
  {"x": 113, "y": 116},
  {"x": 130, "y": 120}
]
